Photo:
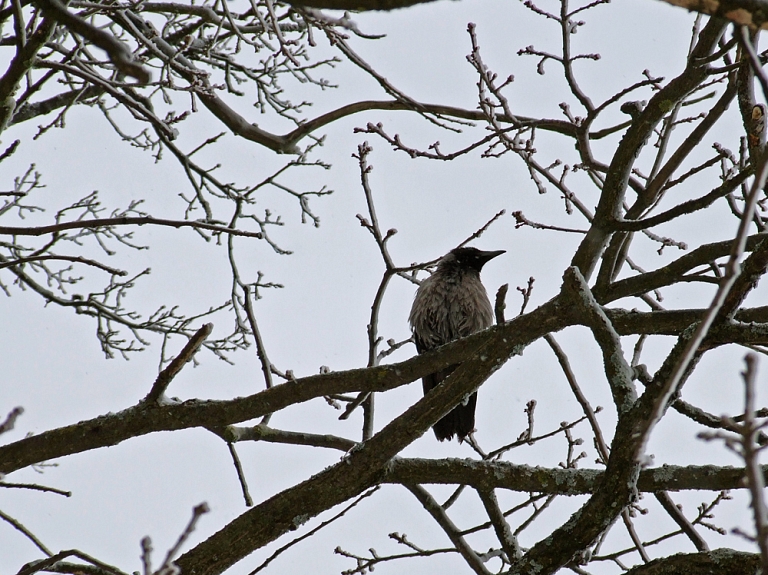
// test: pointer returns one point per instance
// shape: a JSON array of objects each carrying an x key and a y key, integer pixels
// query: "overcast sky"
[{"x": 51, "y": 363}]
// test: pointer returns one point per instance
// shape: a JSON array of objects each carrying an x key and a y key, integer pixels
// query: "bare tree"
[{"x": 653, "y": 154}]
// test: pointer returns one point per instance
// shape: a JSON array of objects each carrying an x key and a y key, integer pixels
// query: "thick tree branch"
[
  {"x": 262, "y": 432},
  {"x": 751, "y": 13},
  {"x": 118, "y": 52},
  {"x": 111, "y": 429},
  {"x": 617, "y": 370},
  {"x": 673, "y": 272},
  {"x": 122, "y": 221},
  {"x": 63, "y": 100},
  {"x": 295, "y": 505},
  {"x": 717, "y": 562},
  {"x": 614, "y": 188},
  {"x": 687, "y": 207},
  {"x": 489, "y": 475},
  {"x": 550, "y": 125},
  {"x": 362, "y": 6},
  {"x": 20, "y": 66}
]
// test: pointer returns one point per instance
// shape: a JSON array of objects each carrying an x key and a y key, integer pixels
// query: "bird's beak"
[{"x": 488, "y": 256}]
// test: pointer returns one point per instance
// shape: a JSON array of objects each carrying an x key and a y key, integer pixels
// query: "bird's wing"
[{"x": 421, "y": 345}]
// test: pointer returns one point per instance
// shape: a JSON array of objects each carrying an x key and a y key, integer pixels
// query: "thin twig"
[
  {"x": 261, "y": 350},
  {"x": 35, "y": 487},
  {"x": 682, "y": 521},
  {"x": 311, "y": 532},
  {"x": 503, "y": 532},
  {"x": 500, "y": 304},
  {"x": 10, "y": 419},
  {"x": 240, "y": 475},
  {"x": 442, "y": 519},
  {"x": 197, "y": 512},
  {"x": 27, "y": 533},
  {"x": 750, "y": 453},
  {"x": 166, "y": 376}
]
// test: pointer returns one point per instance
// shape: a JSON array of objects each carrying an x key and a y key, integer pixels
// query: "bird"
[{"x": 450, "y": 304}]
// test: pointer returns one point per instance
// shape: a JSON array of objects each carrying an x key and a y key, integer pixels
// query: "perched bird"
[{"x": 450, "y": 304}]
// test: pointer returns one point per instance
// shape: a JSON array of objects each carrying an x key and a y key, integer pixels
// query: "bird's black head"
[{"x": 469, "y": 258}]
